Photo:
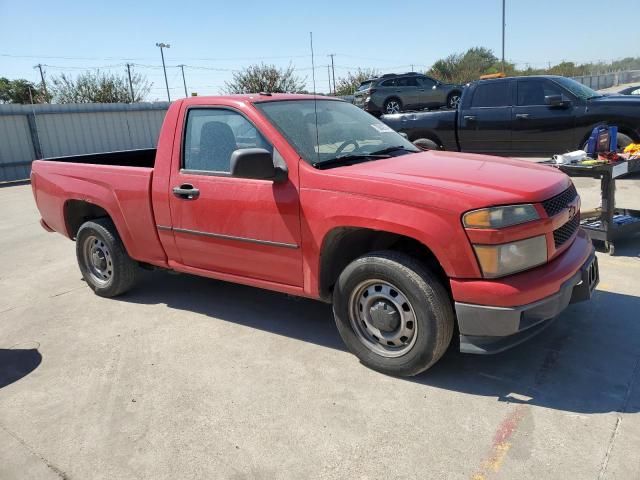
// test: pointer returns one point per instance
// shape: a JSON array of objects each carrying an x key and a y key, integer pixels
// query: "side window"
[
  {"x": 491, "y": 94},
  {"x": 389, "y": 83},
  {"x": 213, "y": 134},
  {"x": 407, "y": 82},
  {"x": 532, "y": 91},
  {"x": 635, "y": 92},
  {"x": 426, "y": 82}
]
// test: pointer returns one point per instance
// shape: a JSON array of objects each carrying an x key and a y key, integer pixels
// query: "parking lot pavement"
[{"x": 186, "y": 377}]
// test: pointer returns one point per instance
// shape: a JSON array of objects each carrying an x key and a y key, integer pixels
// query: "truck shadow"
[
  {"x": 17, "y": 363},
  {"x": 588, "y": 361}
]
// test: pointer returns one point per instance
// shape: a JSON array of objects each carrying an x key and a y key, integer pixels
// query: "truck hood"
[
  {"x": 450, "y": 181},
  {"x": 616, "y": 100}
]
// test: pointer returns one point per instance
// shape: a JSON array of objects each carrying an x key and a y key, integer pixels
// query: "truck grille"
[
  {"x": 565, "y": 232},
  {"x": 556, "y": 204}
]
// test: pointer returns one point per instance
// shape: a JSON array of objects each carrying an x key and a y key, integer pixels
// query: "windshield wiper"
[
  {"x": 348, "y": 159},
  {"x": 594, "y": 96},
  {"x": 392, "y": 149}
]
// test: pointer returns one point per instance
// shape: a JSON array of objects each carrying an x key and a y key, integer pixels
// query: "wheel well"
[
  {"x": 392, "y": 97},
  {"x": 76, "y": 212},
  {"x": 453, "y": 92},
  {"x": 426, "y": 136},
  {"x": 343, "y": 245}
]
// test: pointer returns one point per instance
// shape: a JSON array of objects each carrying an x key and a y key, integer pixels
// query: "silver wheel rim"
[
  {"x": 455, "y": 100},
  {"x": 98, "y": 260},
  {"x": 382, "y": 318},
  {"x": 393, "y": 107}
]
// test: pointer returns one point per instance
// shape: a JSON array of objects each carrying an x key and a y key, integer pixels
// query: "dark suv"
[{"x": 394, "y": 93}]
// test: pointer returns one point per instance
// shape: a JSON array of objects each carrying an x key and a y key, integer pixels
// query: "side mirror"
[
  {"x": 257, "y": 164},
  {"x": 556, "y": 101}
]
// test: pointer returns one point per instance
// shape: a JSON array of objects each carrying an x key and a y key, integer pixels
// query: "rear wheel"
[
  {"x": 103, "y": 260},
  {"x": 623, "y": 142},
  {"x": 453, "y": 100},
  {"x": 393, "y": 313},
  {"x": 426, "y": 144},
  {"x": 392, "y": 105}
]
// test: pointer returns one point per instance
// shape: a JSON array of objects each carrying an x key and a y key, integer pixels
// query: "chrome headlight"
[
  {"x": 500, "y": 217},
  {"x": 500, "y": 260}
]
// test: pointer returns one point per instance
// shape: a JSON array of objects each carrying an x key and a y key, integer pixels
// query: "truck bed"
[
  {"x": 439, "y": 126},
  {"x": 144, "y": 157},
  {"x": 118, "y": 182}
]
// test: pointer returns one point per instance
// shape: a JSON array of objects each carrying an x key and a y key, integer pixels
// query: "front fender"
[{"x": 439, "y": 230}]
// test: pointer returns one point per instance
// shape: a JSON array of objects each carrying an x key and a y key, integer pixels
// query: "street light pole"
[
  {"x": 184, "y": 82},
  {"x": 166, "y": 82},
  {"x": 503, "y": 27}
]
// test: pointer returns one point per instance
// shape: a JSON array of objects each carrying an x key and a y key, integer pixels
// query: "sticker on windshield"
[{"x": 381, "y": 127}]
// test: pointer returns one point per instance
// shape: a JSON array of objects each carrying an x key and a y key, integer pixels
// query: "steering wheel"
[{"x": 345, "y": 144}]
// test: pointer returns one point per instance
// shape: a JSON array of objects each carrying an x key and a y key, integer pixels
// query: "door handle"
[
  {"x": 522, "y": 116},
  {"x": 186, "y": 191},
  {"x": 470, "y": 118}
]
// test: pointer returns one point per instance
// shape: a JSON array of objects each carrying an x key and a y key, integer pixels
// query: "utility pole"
[
  {"x": 503, "y": 27},
  {"x": 184, "y": 82},
  {"x": 44, "y": 84},
  {"x": 166, "y": 82},
  {"x": 412, "y": 67},
  {"x": 329, "y": 76},
  {"x": 133, "y": 98},
  {"x": 333, "y": 71}
]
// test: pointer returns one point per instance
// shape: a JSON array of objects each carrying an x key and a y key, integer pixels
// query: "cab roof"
[{"x": 256, "y": 98}]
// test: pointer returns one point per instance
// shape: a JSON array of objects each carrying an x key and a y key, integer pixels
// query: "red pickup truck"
[{"x": 314, "y": 197}]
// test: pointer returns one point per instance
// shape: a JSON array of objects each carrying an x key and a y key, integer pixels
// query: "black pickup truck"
[{"x": 521, "y": 116}]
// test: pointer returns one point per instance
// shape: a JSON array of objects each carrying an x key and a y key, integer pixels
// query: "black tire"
[
  {"x": 429, "y": 304},
  {"x": 391, "y": 106},
  {"x": 623, "y": 142},
  {"x": 426, "y": 144},
  {"x": 118, "y": 272},
  {"x": 453, "y": 99}
]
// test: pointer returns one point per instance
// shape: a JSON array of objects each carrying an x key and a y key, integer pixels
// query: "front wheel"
[
  {"x": 393, "y": 313},
  {"x": 103, "y": 259}
]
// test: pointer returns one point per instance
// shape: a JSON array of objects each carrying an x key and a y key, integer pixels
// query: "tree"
[
  {"x": 20, "y": 91},
  {"x": 348, "y": 84},
  {"x": 265, "y": 78},
  {"x": 468, "y": 66},
  {"x": 99, "y": 87}
]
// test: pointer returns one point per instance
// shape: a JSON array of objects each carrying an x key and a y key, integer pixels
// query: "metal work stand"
[{"x": 605, "y": 227}]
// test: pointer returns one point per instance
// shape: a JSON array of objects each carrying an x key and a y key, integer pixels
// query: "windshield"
[
  {"x": 578, "y": 89},
  {"x": 343, "y": 129}
]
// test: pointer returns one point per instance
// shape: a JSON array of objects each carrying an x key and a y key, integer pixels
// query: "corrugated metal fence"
[
  {"x": 606, "y": 80},
  {"x": 28, "y": 132}
]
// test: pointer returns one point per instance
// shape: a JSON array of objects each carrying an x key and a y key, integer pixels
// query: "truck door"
[
  {"x": 539, "y": 128},
  {"x": 484, "y": 120},
  {"x": 243, "y": 227}
]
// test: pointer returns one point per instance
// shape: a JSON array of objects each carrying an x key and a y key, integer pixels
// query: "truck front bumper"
[{"x": 488, "y": 329}]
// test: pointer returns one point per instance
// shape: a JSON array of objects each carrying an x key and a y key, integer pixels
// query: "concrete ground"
[{"x": 193, "y": 378}]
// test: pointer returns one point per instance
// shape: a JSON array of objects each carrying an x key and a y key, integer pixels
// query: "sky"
[{"x": 214, "y": 38}]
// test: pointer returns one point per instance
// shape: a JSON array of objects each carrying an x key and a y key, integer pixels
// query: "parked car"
[
  {"x": 523, "y": 116},
  {"x": 632, "y": 90},
  {"x": 394, "y": 93},
  {"x": 314, "y": 197}
]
